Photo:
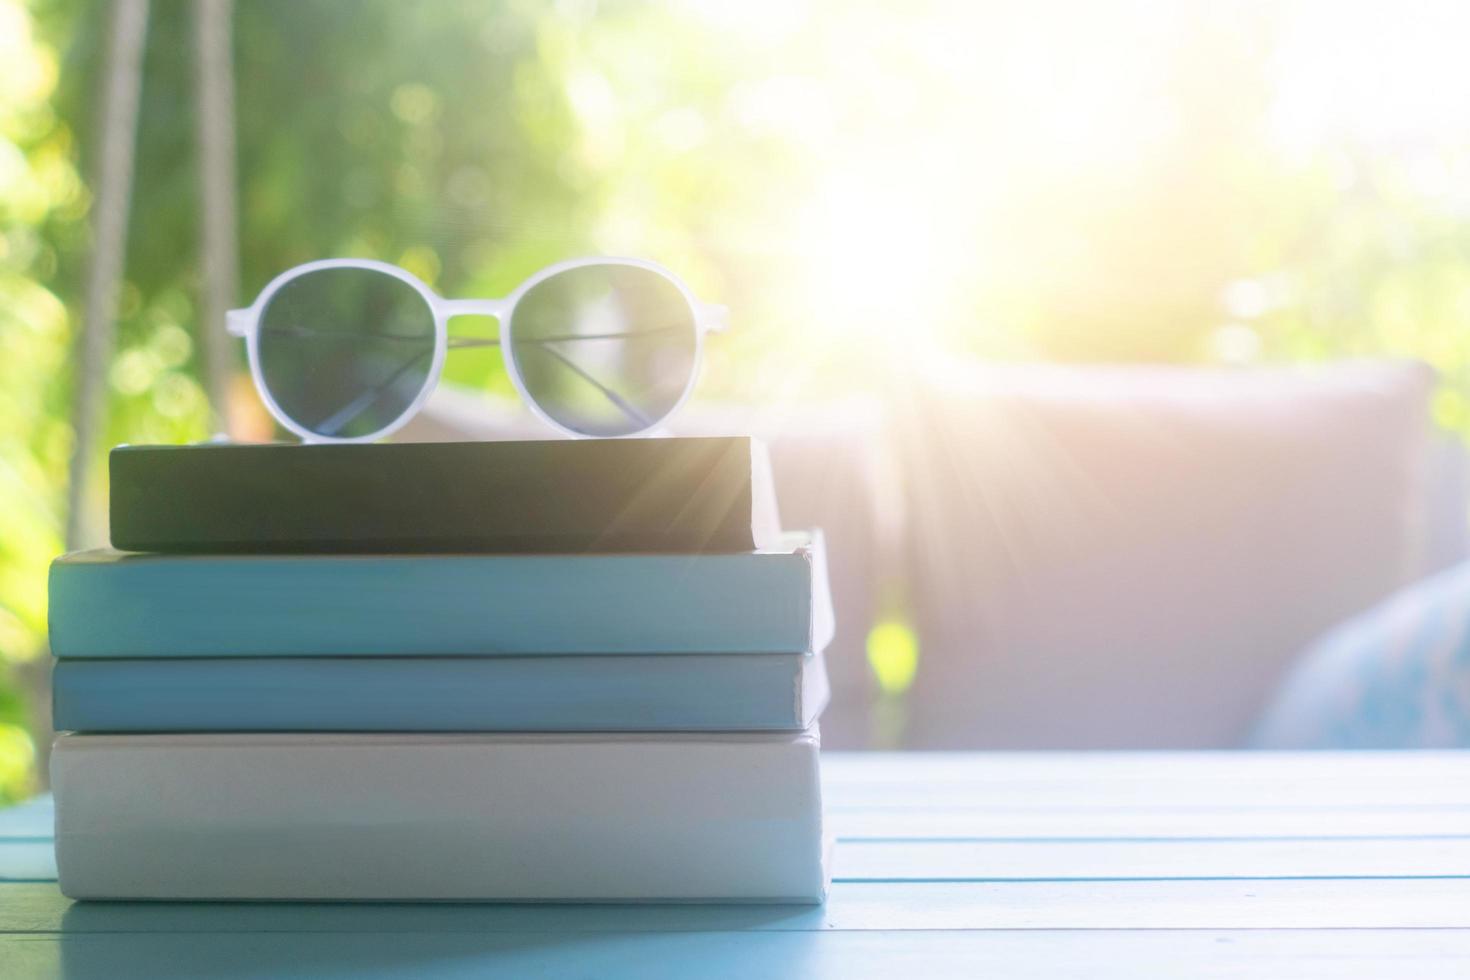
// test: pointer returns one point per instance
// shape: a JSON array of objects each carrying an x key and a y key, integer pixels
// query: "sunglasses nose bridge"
[{"x": 472, "y": 307}]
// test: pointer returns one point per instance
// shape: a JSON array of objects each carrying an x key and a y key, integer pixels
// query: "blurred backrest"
[
  {"x": 1128, "y": 557},
  {"x": 1446, "y": 503}
]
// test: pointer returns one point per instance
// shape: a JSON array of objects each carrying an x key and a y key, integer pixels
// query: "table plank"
[
  {"x": 947, "y": 860},
  {"x": 848, "y": 768},
  {"x": 1306, "y": 955},
  {"x": 959, "y": 860},
  {"x": 1264, "y": 795},
  {"x": 1064, "y": 823},
  {"x": 981, "y": 822},
  {"x": 1354, "y": 903},
  {"x": 27, "y": 860},
  {"x": 30, "y": 819},
  {"x": 1391, "y": 782}
]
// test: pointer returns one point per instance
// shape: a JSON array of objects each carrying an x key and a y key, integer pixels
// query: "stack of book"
[{"x": 579, "y": 671}]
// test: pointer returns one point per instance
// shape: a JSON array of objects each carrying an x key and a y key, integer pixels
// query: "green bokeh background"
[{"x": 474, "y": 143}]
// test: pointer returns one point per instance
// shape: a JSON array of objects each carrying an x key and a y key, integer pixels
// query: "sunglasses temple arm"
[
  {"x": 455, "y": 342},
  {"x": 333, "y": 423},
  {"x": 611, "y": 395}
]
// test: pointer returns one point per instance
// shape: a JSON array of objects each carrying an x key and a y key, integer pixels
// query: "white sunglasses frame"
[{"x": 707, "y": 318}]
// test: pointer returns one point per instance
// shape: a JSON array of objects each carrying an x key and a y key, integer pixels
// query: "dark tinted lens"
[
  {"x": 604, "y": 350},
  {"x": 344, "y": 352}
]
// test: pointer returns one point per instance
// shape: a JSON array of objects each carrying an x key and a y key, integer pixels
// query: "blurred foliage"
[
  {"x": 38, "y": 189},
  {"x": 1082, "y": 181},
  {"x": 893, "y": 655}
]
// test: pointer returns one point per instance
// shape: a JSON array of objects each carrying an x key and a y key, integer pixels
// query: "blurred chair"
[
  {"x": 1395, "y": 677},
  {"x": 1130, "y": 557}
]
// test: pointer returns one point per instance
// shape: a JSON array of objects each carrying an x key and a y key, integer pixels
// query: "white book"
[{"x": 523, "y": 817}]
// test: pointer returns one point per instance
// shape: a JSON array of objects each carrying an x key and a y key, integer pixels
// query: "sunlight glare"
[{"x": 873, "y": 259}]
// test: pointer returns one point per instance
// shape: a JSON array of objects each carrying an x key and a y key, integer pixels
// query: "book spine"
[
  {"x": 159, "y": 606},
  {"x": 468, "y": 818},
  {"x": 433, "y": 694}
]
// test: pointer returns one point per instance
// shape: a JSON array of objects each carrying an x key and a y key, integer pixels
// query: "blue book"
[
  {"x": 109, "y": 604},
  {"x": 745, "y": 692}
]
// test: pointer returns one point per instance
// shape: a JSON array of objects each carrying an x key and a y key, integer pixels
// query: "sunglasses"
[{"x": 348, "y": 350}]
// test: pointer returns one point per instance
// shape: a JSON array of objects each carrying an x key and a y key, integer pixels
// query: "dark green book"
[{"x": 564, "y": 496}]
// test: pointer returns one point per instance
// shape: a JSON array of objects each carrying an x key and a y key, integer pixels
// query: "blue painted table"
[{"x": 1105, "y": 865}]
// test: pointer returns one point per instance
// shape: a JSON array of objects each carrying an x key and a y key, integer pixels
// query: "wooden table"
[{"x": 1103, "y": 865}]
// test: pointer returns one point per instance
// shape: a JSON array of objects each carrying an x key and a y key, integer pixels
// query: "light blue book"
[
  {"x": 109, "y": 604},
  {"x": 742, "y": 692}
]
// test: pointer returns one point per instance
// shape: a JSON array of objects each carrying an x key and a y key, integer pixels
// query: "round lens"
[
  {"x": 344, "y": 352},
  {"x": 604, "y": 350}
]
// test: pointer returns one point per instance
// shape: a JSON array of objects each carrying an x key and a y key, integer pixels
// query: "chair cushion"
[
  {"x": 1395, "y": 677},
  {"x": 1129, "y": 557}
]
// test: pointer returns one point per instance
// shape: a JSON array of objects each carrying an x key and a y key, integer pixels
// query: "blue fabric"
[{"x": 1397, "y": 676}]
